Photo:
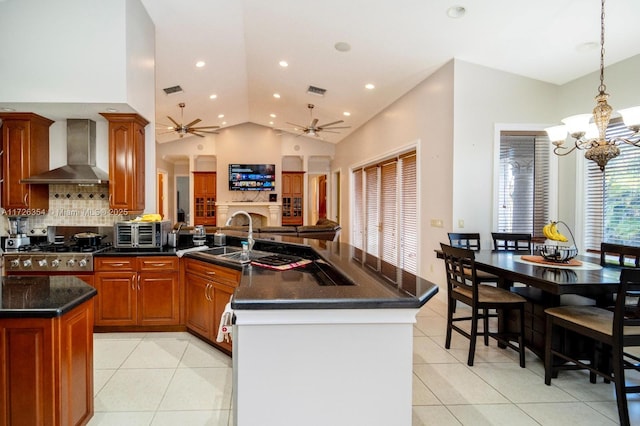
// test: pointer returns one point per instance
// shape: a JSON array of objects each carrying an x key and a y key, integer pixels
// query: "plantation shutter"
[
  {"x": 372, "y": 190},
  {"x": 357, "y": 229},
  {"x": 409, "y": 213},
  {"x": 389, "y": 217}
]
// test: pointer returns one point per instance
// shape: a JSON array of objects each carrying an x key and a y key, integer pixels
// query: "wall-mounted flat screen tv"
[{"x": 252, "y": 177}]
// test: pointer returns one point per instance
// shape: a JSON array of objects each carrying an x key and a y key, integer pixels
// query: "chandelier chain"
[{"x": 602, "y": 88}]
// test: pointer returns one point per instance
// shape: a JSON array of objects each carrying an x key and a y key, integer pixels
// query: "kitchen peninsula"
[
  {"x": 46, "y": 350},
  {"x": 326, "y": 343}
]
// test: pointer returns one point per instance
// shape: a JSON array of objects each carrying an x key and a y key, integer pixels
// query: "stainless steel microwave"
[{"x": 132, "y": 234}]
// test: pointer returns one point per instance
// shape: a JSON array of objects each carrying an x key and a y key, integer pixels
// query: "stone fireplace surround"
[{"x": 262, "y": 214}]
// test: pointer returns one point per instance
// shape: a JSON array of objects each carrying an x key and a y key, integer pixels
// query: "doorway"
[{"x": 182, "y": 199}]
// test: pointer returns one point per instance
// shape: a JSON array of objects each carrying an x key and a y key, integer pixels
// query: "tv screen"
[{"x": 252, "y": 177}]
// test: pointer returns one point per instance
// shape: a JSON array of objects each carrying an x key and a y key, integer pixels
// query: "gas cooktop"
[{"x": 65, "y": 247}]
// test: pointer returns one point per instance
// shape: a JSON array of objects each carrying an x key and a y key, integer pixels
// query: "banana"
[
  {"x": 546, "y": 230},
  {"x": 550, "y": 230}
]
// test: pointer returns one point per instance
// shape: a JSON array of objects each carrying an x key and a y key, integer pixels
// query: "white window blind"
[
  {"x": 385, "y": 197},
  {"x": 523, "y": 186},
  {"x": 612, "y": 199}
]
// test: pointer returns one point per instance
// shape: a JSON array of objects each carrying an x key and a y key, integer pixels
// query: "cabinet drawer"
[
  {"x": 156, "y": 263},
  {"x": 114, "y": 264},
  {"x": 214, "y": 272}
]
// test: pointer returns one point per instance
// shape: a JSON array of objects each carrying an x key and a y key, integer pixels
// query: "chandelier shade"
[{"x": 589, "y": 130}]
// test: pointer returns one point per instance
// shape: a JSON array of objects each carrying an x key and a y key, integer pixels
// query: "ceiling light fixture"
[
  {"x": 283, "y": 64},
  {"x": 346, "y": 113},
  {"x": 220, "y": 115},
  {"x": 592, "y": 137},
  {"x": 272, "y": 115},
  {"x": 342, "y": 46},
  {"x": 369, "y": 86},
  {"x": 276, "y": 95},
  {"x": 456, "y": 12},
  {"x": 214, "y": 96},
  {"x": 200, "y": 64}
]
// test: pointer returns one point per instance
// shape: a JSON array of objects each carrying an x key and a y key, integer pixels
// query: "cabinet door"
[
  {"x": 204, "y": 192},
  {"x": 26, "y": 376},
  {"x": 117, "y": 301},
  {"x": 199, "y": 308},
  {"x": 221, "y": 295},
  {"x": 292, "y": 198},
  {"x": 158, "y": 298}
]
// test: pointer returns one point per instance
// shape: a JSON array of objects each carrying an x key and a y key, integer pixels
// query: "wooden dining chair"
[
  {"x": 615, "y": 331},
  {"x": 511, "y": 241},
  {"x": 463, "y": 286},
  {"x": 619, "y": 255},
  {"x": 471, "y": 241}
]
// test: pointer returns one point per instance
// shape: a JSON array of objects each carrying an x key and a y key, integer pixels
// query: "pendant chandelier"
[{"x": 591, "y": 136}]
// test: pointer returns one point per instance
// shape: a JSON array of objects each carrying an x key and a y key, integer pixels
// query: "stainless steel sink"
[
  {"x": 217, "y": 251},
  {"x": 234, "y": 254}
]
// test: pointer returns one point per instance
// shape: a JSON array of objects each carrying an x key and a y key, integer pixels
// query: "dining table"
[{"x": 546, "y": 284}]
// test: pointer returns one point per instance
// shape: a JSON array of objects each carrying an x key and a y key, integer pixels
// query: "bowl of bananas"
[{"x": 557, "y": 248}]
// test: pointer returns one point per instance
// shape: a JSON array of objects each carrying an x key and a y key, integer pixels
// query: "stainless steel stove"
[{"x": 63, "y": 256}]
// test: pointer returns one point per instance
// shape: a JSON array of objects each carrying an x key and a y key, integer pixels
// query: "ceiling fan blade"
[
  {"x": 196, "y": 121},
  {"x": 173, "y": 121},
  {"x": 300, "y": 126},
  {"x": 195, "y": 134},
  {"x": 211, "y": 132},
  {"x": 204, "y": 127},
  {"x": 332, "y": 123},
  {"x": 328, "y": 131},
  {"x": 314, "y": 122},
  {"x": 334, "y": 128}
]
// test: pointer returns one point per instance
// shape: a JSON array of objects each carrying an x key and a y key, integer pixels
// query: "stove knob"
[
  {"x": 26, "y": 263},
  {"x": 55, "y": 263},
  {"x": 15, "y": 263},
  {"x": 82, "y": 263},
  {"x": 71, "y": 262},
  {"x": 42, "y": 263}
]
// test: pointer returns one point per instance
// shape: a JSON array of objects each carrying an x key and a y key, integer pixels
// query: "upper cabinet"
[
  {"x": 126, "y": 162},
  {"x": 204, "y": 198},
  {"x": 25, "y": 152}
]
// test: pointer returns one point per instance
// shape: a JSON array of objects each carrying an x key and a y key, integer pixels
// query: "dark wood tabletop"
[{"x": 557, "y": 280}]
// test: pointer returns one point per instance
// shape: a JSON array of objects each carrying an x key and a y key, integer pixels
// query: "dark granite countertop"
[
  {"x": 307, "y": 287},
  {"x": 42, "y": 296}
]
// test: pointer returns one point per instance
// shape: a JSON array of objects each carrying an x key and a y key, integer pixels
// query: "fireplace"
[{"x": 270, "y": 213}]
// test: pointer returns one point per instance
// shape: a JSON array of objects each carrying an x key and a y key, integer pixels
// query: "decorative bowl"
[{"x": 556, "y": 253}]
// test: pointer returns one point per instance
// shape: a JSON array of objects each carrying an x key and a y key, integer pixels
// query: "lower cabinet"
[
  {"x": 137, "y": 291},
  {"x": 208, "y": 289},
  {"x": 46, "y": 369}
]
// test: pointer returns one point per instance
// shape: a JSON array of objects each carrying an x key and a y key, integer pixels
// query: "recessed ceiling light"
[
  {"x": 342, "y": 46},
  {"x": 272, "y": 115},
  {"x": 369, "y": 86},
  {"x": 220, "y": 115},
  {"x": 214, "y": 96},
  {"x": 346, "y": 113},
  {"x": 271, "y": 123},
  {"x": 456, "y": 12},
  {"x": 7, "y": 109},
  {"x": 200, "y": 64},
  {"x": 276, "y": 95},
  {"x": 223, "y": 123},
  {"x": 112, "y": 110},
  {"x": 283, "y": 64}
]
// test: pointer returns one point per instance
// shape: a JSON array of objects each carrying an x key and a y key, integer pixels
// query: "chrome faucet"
[{"x": 250, "y": 239}]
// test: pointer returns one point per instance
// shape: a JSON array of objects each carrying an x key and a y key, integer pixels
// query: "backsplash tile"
[{"x": 77, "y": 205}]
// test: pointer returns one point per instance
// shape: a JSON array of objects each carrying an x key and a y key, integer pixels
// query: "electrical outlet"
[
  {"x": 460, "y": 223},
  {"x": 437, "y": 223}
]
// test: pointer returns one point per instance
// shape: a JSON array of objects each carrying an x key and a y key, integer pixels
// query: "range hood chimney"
[{"x": 81, "y": 158}]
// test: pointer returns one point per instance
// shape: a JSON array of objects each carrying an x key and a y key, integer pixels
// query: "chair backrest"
[
  {"x": 460, "y": 268},
  {"x": 628, "y": 256},
  {"x": 469, "y": 241},
  {"x": 627, "y": 309},
  {"x": 511, "y": 241}
]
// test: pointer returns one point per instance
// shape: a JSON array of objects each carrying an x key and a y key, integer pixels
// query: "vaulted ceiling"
[{"x": 394, "y": 44}]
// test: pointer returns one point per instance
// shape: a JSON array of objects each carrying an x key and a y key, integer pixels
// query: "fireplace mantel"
[{"x": 271, "y": 211}]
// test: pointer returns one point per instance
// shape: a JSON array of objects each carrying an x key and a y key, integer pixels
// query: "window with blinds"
[
  {"x": 612, "y": 198},
  {"x": 385, "y": 222},
  {"x": 523, "y": 186}
]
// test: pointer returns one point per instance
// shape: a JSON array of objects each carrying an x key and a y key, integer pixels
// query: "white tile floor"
[{"x": 174, "y": 378}]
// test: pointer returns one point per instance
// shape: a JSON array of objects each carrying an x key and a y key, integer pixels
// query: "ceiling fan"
[
  {"x": 314, "y": 128},
  {"x": 184, "y": 129}
]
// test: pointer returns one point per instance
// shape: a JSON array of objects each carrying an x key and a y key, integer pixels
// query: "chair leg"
[
  {"x": 474, "y": 336},
  {"x": 485, "y": 324},
  {"x": 621, "y": 394},
  {"x": 451, "y": 307},
  {"x": 521, "y": 345},
  {"x": 548, "y": 357}
]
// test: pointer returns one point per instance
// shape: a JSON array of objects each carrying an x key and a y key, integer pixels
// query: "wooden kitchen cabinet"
[
  {"x": 208, "y": 290},
  {"x": 292, "y": 198},
  {"x": 137, "y": 291},
  {"x": 126, "y": 162},
  {"x": 25, "y": 152},
  {"x": 46, "y": 375},
  {"x": 204, "y": 198}
]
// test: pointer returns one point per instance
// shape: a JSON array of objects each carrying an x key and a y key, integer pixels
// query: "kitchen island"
[
  {"x": 46, "y": 350},
  {"x": 330, "y": 342}
]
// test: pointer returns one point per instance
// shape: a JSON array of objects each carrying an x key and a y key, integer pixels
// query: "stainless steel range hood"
[{"x": 81, "y": 158}]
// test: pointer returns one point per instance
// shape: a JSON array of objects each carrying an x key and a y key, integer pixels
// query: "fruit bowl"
[{"x": 557, "y": 253}]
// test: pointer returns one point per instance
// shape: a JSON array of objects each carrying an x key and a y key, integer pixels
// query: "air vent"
[
  {"x": 172, "y": 90},
  {"x": 313, "y": 90}
]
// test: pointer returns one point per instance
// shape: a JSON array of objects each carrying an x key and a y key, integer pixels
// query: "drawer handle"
[
  {"x": 211, "y": 272},
  {"x": 158, "y": 264},
  {"x": 116, "y": 264}
]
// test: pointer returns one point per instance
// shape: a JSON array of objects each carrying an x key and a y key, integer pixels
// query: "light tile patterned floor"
[{"x": 174, "y": 378}]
